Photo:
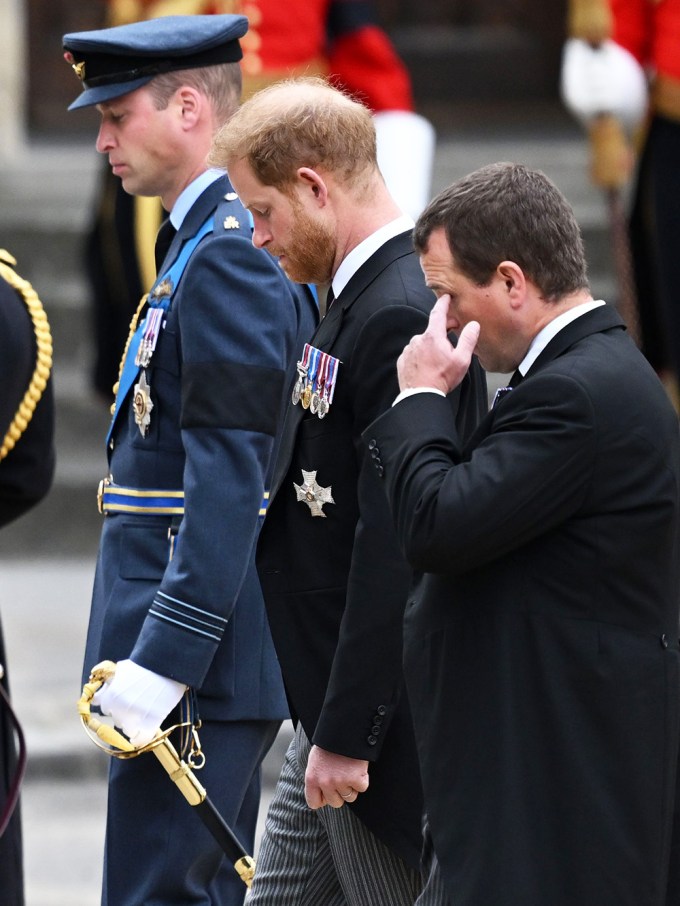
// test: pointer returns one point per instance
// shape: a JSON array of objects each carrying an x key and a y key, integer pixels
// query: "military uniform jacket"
[
  {"x": 26, "y": 472},
  {"x": 217, "y": 378},
  {"x": 542, "y": 644},
  {"x": 336, "y": 587}
]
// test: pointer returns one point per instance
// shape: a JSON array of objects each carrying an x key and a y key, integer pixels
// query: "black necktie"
[
  {"x": 165, "y": 236},
  {"x": 516, "y": 378},
  {"x": 330, "y": 298}
]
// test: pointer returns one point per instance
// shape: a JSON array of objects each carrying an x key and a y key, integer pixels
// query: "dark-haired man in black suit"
[
  {"x": 302, "y": 158},
  {"x": 542, "y": 656}
]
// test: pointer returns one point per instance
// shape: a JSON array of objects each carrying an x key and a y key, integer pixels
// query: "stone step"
[{"x": 450, "y": 64}]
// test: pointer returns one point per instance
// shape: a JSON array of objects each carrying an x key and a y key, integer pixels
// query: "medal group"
[
  {"x": 315, "y": 385},
  {"x": 141, "y": 400}
]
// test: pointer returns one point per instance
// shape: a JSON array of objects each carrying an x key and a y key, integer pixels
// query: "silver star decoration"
[
  {"x": 142, "y": 404},
  {"x": 313, "y": 494}
]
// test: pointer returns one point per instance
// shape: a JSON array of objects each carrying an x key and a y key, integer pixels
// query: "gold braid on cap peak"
[{"x": 43, "y": 363}]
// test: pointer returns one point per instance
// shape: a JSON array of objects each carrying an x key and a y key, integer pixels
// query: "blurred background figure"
[
  {"x": 621, "y": 78},
  {"x": 340, "y": 39},
  {"x": 26, "y": 471}
]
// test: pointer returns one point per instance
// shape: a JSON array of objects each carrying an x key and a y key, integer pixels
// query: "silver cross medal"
[{"x": 313, "y": 494}]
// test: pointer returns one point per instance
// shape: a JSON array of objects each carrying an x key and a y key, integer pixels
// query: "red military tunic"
[{"x": 339, "y": 38}]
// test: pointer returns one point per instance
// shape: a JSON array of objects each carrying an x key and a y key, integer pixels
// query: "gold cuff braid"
[{"x": 43, "y": 364}]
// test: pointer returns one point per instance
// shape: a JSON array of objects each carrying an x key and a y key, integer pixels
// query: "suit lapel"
[
  {"x": 595, "y": 321},
  {"x": 330, "y": 326},
  {"x": 196, "y": 217}
]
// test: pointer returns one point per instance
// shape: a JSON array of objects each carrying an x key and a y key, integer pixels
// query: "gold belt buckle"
[{"x": 103, "y": 484}]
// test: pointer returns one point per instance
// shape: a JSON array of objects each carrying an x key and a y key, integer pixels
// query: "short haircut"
[
  {"x": 299, "y": 123},
  {"x": 221, "y": 84},
  {"x": 506, "y": 212}
]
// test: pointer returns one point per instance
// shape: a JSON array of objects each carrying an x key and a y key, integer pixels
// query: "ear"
[
  {"x": 514, "y": 280},
  {"x": 189, "y": 103},
  {"x": 310, "y": 183}
]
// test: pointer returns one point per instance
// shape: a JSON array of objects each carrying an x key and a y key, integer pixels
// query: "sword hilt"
[{"x": 115, "y": 744}]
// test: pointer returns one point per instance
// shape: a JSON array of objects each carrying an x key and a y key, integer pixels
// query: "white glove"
[
  {"x": 138, "y": 700},
  {"x": 406, "y": 143},
  {"x": 600, "y": 80}
]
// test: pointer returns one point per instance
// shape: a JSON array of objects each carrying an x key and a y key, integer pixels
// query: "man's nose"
[
  {"x": 261, "y": 236},
  {"x": 104, "y": 141}
]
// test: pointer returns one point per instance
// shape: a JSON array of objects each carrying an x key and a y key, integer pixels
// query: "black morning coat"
[
  {"x": 336, "y": 586},
  {"x": 542, "y": 644}
]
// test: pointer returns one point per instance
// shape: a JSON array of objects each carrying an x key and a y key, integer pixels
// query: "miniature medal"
[
  {"x": 315, "y": 384},
  {"x": 302, "y": 368},
  {"x": 313, "y": 494},
  {"x": 147, "y": 345},
  {"x": 142, "y": 404}
]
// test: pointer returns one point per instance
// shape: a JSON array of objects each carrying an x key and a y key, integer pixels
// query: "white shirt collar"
[
  {"x": 362, "y": 252},
  {"x": 185, "y": 200},
  {"x": 544, "y": 336}
]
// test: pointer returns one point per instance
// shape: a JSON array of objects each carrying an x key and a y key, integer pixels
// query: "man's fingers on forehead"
[{"x": 440, "y": 311}]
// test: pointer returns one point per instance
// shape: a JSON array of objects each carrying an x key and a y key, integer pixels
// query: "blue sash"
[{"x": 173, "y": 275}]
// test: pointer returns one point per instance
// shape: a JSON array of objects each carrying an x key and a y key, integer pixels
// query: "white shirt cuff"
[{"x": 411, "y": 391}]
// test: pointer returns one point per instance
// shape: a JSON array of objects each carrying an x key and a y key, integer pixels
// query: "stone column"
[{"x": 13, "y": 78}]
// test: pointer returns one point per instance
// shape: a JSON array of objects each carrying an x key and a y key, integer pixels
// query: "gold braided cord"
[
  {"x": 43, "y": 364},
  {"x": 131, "y": 333}
]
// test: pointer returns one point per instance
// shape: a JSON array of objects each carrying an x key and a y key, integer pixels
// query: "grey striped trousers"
[{"x": 326, "y": 856}]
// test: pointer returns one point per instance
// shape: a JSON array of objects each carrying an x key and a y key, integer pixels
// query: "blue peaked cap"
[{"x": 111, "y": 62}]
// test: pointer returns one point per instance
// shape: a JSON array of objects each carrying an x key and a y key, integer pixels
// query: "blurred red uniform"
[{"x": 650, "y": 30}]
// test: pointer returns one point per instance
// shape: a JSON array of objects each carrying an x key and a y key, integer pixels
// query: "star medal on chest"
[
  {"x": 142, "y": 404},
  {"x": 311, "y": 493},
  {"x": 315, "y": 384}
]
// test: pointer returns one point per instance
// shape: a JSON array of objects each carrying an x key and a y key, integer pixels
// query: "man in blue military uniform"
[{"x": 176, "y": 600}]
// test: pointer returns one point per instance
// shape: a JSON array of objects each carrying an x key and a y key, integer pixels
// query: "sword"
[{"x": 179, "y": 771}]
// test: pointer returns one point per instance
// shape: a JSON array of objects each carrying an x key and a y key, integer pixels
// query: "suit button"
[
  {"x": 371, "y": 740},
  {"x": 372, "y": 443},
  {"x": 375, "y": 453},
  {"x": 375, "y": 730},
  {"x": 377, "y": 719},
  {"x": 382, "y": 710},
  {"x": 380, "y": 471},
  {"x": 664, "y": 641}
]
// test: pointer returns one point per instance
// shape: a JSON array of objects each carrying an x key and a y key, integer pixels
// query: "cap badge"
[
  {"x": 78, "y": 68},
  {"x": 311, "y": 493}
]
